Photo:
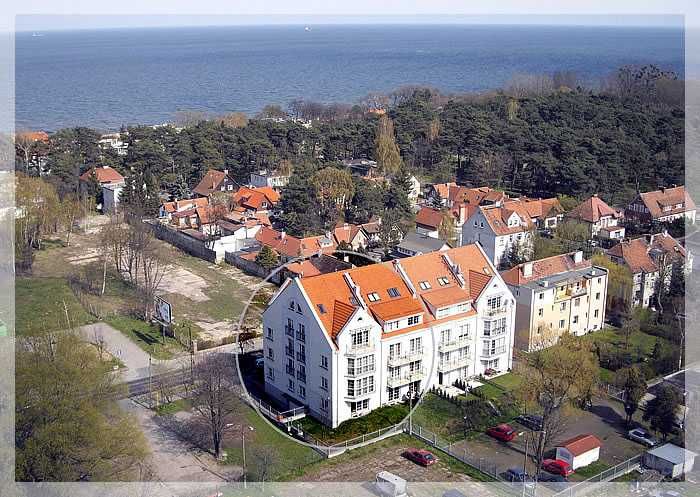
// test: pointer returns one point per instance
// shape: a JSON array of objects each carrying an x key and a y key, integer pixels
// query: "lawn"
[
  {"x": 43, "y": 303},
  {"x": 439, "y": 416},
  {"x": 146, "y": 336},
  {"x": 173, "y": 407},
  {"x": 639, "y": 342},
  {"x": 289, "y": 459},
  {"x": 589, "y": 471},
  {"x": 508, "y": 381},
  {"x": 383, "y": 417}
]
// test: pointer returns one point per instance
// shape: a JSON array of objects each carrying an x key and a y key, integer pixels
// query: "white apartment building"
[
  {"x": 345, "y": 343},
  {"x": 498, "y": 228},
  {"x": 556, "y": 295}
]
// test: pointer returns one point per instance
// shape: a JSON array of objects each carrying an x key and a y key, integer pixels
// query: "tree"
[
  {"x": 300, "y": 211},
  {"x": 662, "y": 411},
  {"x": 214, "y": 399},
  {"x": 620, "y": 284},
  {"x": 447, "y": 229},
  {"x": 234, "y": 120},
  {"x": 386, "y": 151},
  {"x": 68, "y": 425},
  {"x": 389, "y": 232},
  {"x": 267, "y": 258},
  {"x": 634, "y": 388},
  {"x": 555, "y": 378}
]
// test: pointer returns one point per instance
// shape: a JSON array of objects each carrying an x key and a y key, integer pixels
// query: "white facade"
[
  {"x": 268, "y": 178},
  {"x": 496, "y": 245},
  {"x": 110, "y": 197},
  {"x": 369, "y": 362},
  {"x": 580, "y": 460}
]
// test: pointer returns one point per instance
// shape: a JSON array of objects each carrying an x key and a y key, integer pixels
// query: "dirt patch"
[{"x": 180, "y": 280}]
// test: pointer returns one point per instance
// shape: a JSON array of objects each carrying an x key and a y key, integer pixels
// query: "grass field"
[
  {"x": 590, "y": 470},
  {"x": 383, "y": 417},
  {"x": 439, "y": 416},
  {"x": 146, "y": 336},
  {"x": 47, "y": 304}
]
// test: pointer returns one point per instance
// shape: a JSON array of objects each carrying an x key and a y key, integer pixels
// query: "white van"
[{"x": 390, "y": 485}]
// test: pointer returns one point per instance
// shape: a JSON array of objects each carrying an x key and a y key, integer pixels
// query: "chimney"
[
  {"x": 595, "y": 195},
  {"x": 462, "y": 213},
  {"x": 226, "y": 172},
  {"x": 578, "y": 257},
  {"x": 283, "y": 234},
  {"x": 527, "y": 269}
]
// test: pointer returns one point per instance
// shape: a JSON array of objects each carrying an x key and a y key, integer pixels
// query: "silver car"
[{"x": 642, "y": 436}]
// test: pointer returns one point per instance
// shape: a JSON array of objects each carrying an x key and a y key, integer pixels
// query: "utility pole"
[{"x": 245, "y": 470}]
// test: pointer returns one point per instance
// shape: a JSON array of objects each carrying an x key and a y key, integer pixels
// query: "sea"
[{"x": 108, "y": 78}]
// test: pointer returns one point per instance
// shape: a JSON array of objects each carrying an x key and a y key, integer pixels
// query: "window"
[
  {"x": 324, "y": 362},
  {"x": 270, "y": 334},
  {"x": 301, "y": 332},
  {"x": 597, "y": 296},
  {"x": 291, "y": 304},
  {"x": 562, "y": 306},
  {"x": 321, "y": 308},
  {"x": 464, "y": 330},
  {"x": 373, "y": 297},
  {"x": 416, "y": 344},
  {"x": 494, "y": 302},
  {"x": 577, "y": 302},
  {"x": 270, "y": 353},
  {"x": 324, "y": 383},
  {"x": 360, "y": 338},
  {"x": 561, "y": 323},
  {"x": 302, "y": 392},
  {"x": 424, "y": 285},
  {"x": 270, "y": 374},
  {"x": 290, "y": 386},
  {"x": 393, "y": 393},
  {"x": 325, "y": 403},
  {"x": 443, "y": 280},
  {"x": 361, "y": 365},
  {"x": 540, "y": 312},
  {"x": 362, "y": 386},
  {"x": 595, "y": 313},
  {"x": 393, "y": 292},
  {"x": 495, "y": 327},
  {"x": 575, "y": 319},
  {"x": 395, "y": 350},
  {"x": 357, "y": 408},
  {"x": 392, "y": 325},
  {"x": 413, "y": 320},
  {"x": 301, "y": 373},
  {"x": 540, "y": 295},
  {"x": 445, "y": 336}
]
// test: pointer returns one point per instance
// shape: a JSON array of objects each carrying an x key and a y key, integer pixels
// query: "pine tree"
[
  {"x": 299, "y": 206},
  {"x": 267, "y": 258}
]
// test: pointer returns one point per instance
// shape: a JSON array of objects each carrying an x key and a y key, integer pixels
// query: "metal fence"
[
  {"x": 332, "y": 450},
  {"x": 593, "y": 484}
]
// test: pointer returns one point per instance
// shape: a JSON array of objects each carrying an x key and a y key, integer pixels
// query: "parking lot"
[{"x": 604, "y": 420}]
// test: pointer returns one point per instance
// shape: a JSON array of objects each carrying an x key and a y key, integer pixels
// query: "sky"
[{"x": 36, "y": 15}]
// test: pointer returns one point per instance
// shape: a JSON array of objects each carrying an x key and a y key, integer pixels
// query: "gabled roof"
[
  {"x": 592, "y": 209},
  {"x": 543, "y": 268},
  {"x": 429, "y": 217},
  {"x": 667, "y": 197},
  {"x": 210, "y": 213},
  {"x": 346, "y": 232},
  {"x": 475, "y": 196},
  {"x": 291, "y": 246},
  {"x": 541, "y": 208},
  {"x": 389, "y": 296},
  {"x": 178, "y": 205},
  {"x": 642, "y": 254},
  {"x": 210, "y": 183},
  {"x": 581, "y": 444},
  {"x": 253, "y": 198},
  {"x": 443, "y": 189},
  {"x": 422, "y": 243},
  {"x": 103, "y": 174},
  {"x": 498, "y": 217}
]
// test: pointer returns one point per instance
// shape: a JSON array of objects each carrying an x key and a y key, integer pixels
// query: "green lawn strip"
[
  {"x": 490, "y": 391},
  {"x": 145, "y": 335},
  {"x": 638, "y": 341},
  {"x": 173, "y": 407},
  {"x": 39, "y": 303},
  {"x": 607, "y": 376},
  {"x": 383, "y": 417},
  {"x": 439, "y": 416},
  {"x": 588, "y": 471},
  {"x": 290, "y": 456},
  {"x": 508, "y": 381}
]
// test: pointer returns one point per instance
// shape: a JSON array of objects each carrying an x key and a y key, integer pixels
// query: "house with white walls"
[{"x": 344, "y": 343}]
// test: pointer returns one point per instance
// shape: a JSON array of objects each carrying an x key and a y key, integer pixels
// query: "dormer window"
[
  {"x": 373, "y": 297},
  {"x": 443, "y": 280},
  {"x": 424, "y": 285},
  {"x": 321, "y": 308},
  {"x": 291, "y": 305},
  {"x": 393, "y": 292}
]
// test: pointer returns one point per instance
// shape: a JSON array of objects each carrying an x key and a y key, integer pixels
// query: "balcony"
[
  {"x": 493, "y": 352},
  {"x": 460, "y": 362},
  {"x": 362, "y": 370},
  {"x": 360, "y": 349},
  {"x": 359, "y": 393},
  {"x": 289, "y": 331},
  {"x": 289, "y": 351},
  {"x": 495, "y": 332},
  {"x": 399, "y": 360},
  {"x": 498, "y": 311},
  {"x": 406, "y": 378},
  {"x": 455, "y": 344}
]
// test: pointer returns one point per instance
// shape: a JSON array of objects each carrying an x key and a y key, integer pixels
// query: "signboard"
[{"x": 164, "y": 311}]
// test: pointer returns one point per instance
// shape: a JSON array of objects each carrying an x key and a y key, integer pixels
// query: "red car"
[
  {"x": 502, "y": 432},
  {"x": 557, "y": 467},
  {"x": 420, "y": 456}
]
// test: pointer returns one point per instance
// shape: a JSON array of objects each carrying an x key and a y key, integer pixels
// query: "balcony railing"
[
  {"x": 460, "y": 362},
  {"x": 359, "y": 393},
  {"x": 406, "y": 378},
  {"x": 359, "y": 371},
  {"x": 494, "y": 332},
  {"x": 497, "y": 311},
  {"x": 454, "y": 344},
  {"x": 360, "y": 348},
  {"x": 413, "y": 355},
  {"x": 577, "y": 292},
  {"x": 493, "y": 352}
]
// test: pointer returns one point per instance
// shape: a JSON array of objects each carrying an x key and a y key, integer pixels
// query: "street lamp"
[{"x": 245, "y": 471}]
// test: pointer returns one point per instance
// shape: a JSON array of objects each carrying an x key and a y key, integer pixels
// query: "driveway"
[{"x": 131, "y": 355}]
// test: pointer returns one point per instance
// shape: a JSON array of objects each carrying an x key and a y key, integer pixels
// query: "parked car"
[
  {"x": 642, "y": 436},
  {"x": 545, "y": 477},
  {"x": 557, "y": 467},
  {"x": 420, "y": 456},
  {"x": 517, "y": 475},
  {"x": 502, "y": 432},
  {"x": 532, "y": 421}
]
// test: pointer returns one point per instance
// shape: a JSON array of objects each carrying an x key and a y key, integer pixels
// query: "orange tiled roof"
[
  {"x": 443, "y": 189},
  {"x": 592, "y": 210},
  {"x": 346, "y": 232},
  {"x": 328, "y": 289},
  {"x": 543, "y": 268},
  {"x": 292, "y": 246},
  {"x": 668, "y": 197},
  {"x": 497, "y": 217},
  {"x": 541, "y": 207},
  {"x": 35, "y": 136},
  {"x": 210, "y": 213},
  {"x": 475, "y": 196},
  {"x": 104, "y": 175},
  {"x": 177, "y": 205},
  {"x": 581, "y": 444},
  {"x": 210, "y": 183},
  {"x": 637, "y": 253},
  {"x": 429, "y": 217},
  {"x": 253, "y": 198}
]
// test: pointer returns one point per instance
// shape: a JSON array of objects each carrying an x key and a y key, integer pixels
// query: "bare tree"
[
  {"x": 264, "y": 460},
  {"x": 214, "y": 398}
]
